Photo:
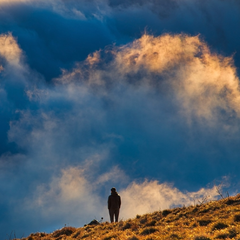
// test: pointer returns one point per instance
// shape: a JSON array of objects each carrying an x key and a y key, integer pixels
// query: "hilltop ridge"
[{"x": 213, "y": 220}]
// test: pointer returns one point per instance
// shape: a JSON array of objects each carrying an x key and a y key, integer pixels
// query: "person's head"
[{"x": 113, "y": 190}]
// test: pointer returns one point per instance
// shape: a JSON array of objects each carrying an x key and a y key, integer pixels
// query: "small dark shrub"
[
  {"x": 194, "y": 225},
  {"x": 186, "y": 223},
  {"x": 232, "y": 233},
  {"x": 204, "y": 222},
  {"x": 88, "y": 227},
  {"x": 85, "y": 236},
  {"x": 94, "y": 222},
  {"x": 76, "y": 234},
  {"x": 195, "y": 209},
  {"x": 64, "y": 231},
  {"x": 174, "y": 237},
  {"x": 147, "y": 231},
  {"x": 152, "y": 223},
  {"x": 120, "y": 224},
  {"x": 134, "y": 226},
  {"x": 230, "y": 201},
  {"x": 219, "y": 225},
  {"x": 170, "y": 220},
  {"x": 222, "y": 236},
  {"x": 236, "y": 218},
  {"x": 127, "y": 226},
  {"x": 205, "y": 210},
  {"x": 176, "y": 210},
  {"x": 138, "y": 216},
  {"x": 144, "y": 220},
  {"x": 166, "y": 212},
  {"x": 202, "y": 238}
]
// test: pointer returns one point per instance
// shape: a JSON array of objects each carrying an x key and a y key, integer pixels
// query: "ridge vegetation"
[{"x": 213, "y": 220}]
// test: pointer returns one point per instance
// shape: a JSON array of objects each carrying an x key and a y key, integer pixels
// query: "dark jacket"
[{"x": 114, "y": 201}]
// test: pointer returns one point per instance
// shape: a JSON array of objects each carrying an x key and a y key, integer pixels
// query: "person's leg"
[
  {"x": 111, "y": 213},
  {"x": 116, "y": 215}
]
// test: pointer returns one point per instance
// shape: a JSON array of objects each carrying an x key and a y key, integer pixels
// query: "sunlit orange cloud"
[
  {"x": 202, "y": 81},
  {"x": 9, "y": 49}
]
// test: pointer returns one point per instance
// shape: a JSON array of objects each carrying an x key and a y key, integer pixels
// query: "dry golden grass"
[{"x": 213, "y": 220}]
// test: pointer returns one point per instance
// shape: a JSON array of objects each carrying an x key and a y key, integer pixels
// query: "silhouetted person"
[{"x": 114, "y": 204}]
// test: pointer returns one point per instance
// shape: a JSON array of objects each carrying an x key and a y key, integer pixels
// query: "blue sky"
[{"x": 140, "y": 95}]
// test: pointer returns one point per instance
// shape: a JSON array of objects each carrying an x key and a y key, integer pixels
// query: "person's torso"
[{"x": 115, "y": 201}]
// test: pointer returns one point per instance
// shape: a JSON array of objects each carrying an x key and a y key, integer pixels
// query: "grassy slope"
[{"x": 213, "y": 220}]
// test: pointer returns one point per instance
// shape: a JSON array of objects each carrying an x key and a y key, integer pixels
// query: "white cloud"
[
  {"x": 72, "y": 193},
  {"x": 149, "y": 196},
  {"x": 116, "y": 175}
]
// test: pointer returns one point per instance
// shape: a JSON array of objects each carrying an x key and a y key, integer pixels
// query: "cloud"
[
  {"x": 14, "y": 76},
  {"x": 218, "y": 27},
  {"x": 203, "y": 82},
  {"x": 182, "y": 96},
  {"x": 168, "y": 86},
  {"x": 67, "y": 194},
  {"x": 150, "y": 196},
  {"x": 10, "y": 49},
  {"x": 72, "y": 194}
]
